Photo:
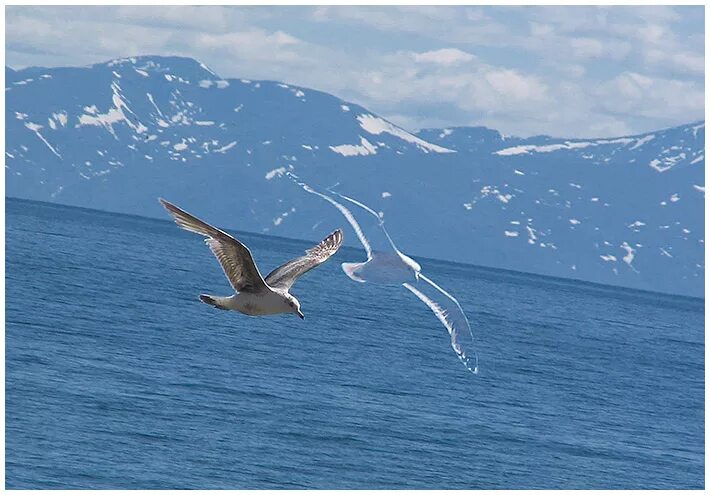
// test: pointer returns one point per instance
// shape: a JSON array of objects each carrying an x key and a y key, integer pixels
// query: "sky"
[{"x": 562, "y": 71}]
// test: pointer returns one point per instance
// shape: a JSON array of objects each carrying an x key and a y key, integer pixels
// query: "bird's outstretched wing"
[
  {"x": 387, "y": 265},
  {"x": 449, "y": 312},
  {"x": 284, "y": 276},
  {"x": 379, "y": 227},
  {"x": 342, "y": 209},
  {"x": 234, "y": 257},
  {"x": 369, "y": 226}
]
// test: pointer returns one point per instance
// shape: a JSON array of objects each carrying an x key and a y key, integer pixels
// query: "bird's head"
[{"x": 294, "y": 305}]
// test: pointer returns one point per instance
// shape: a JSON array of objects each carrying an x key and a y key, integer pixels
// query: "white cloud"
[
  {"x": 654, "y": 98},
  {"x": 684, "y": 61},
  {"x": 255, "y": 45},
  {"x": 572, "y": 70},
  {"x": 511, "y": 84},
  {"x": 444, "y": 56},
  {"x": 568, "y": 71},
  {"x": 587, "y": 47},
  {"x": 453, "y": 25}
]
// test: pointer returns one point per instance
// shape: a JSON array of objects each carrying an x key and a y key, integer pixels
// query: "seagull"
[
  {"x": 254, "y": 295},
  {"x": 387, "y": 265}
]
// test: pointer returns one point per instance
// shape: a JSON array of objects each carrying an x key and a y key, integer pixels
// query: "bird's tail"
[{"x": 213, "y": 301}]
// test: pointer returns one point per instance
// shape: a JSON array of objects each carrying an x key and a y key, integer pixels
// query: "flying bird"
[
  {"x": 387, "y": 265},
  {"x": 254, "y": 295}
]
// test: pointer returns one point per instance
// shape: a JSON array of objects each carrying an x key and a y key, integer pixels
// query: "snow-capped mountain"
[
  {"x": 653, "y": 146},
  {"x": 625, "y": 211}
]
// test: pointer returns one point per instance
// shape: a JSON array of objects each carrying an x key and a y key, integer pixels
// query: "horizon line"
[{"x": 427, "y": 258}]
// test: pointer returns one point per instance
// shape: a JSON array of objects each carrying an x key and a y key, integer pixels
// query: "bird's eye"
[{"x": 290, "y": 304}]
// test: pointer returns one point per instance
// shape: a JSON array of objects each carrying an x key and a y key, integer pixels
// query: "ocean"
[{"x": 118, "y": 377}]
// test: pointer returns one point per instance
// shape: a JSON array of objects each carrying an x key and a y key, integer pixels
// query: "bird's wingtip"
[{"x": 167, "y": 204}]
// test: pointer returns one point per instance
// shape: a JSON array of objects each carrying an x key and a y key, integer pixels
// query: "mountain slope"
[{"x": 625, "y": 211}]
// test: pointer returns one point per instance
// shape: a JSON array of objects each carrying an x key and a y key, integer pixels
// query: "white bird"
[
  {"x": 387, "y": 265},
  {"x": 254, "y": 295}
]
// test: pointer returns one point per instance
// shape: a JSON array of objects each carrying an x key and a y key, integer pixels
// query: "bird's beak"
[{"x": 301, "y": 315}]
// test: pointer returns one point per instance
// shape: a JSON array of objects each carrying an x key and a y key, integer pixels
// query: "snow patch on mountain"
[
  {"x": 107, "y": 119},
  {"x": 36, "y": 128},
  {"x": 114, "y": 115},
  {"x": 567, "y": 145},
  {"x": 376, "y": 125},
  {"x": 641, "y": 141},
  {"x": 666, "y": 162},
  {"x": 226, "y": 147},
  {"x": 277, "y": 172},
  {"x": 630, "y": 253},
  {"x": 362, "y": 149}
]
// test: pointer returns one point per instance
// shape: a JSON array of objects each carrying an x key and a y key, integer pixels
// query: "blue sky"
[{"x": 564, "y": 71}]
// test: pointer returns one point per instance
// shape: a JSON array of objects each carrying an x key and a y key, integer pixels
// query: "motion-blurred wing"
[
  {"x": 369, "y": 226},
  {"x": 387, "y": 265},
  {"x": 449, "y": 312},
  {"x": 346, "y": 213},
  {"x": 380, "y": 225}
]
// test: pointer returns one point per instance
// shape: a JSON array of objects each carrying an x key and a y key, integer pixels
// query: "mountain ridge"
[{"x": 117, "y": 134}]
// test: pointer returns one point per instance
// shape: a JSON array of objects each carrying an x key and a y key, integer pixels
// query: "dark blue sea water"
[{"x": 118, "y": 377}]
